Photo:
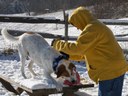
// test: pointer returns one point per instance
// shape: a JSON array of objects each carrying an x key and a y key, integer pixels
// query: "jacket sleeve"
[
  {"x": 85, "y": 42},
  {"x": 76, "y": 58}
]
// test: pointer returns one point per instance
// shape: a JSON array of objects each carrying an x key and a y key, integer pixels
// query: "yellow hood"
[{"x": 83, "y": 18}]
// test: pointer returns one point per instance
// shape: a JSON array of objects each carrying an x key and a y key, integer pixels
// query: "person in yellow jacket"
[{"x": 97, "y": 45}]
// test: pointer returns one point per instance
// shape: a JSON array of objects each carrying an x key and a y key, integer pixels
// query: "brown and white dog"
[{"x": 35, "y": 47}]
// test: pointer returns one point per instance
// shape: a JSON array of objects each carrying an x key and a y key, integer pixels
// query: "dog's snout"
[{"x": 73, "y": 81}]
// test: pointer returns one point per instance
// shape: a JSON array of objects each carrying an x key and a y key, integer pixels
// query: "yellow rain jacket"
[{"x": 97, "y": 45}]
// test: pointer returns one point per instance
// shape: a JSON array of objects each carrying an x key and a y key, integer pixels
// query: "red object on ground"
[{"x": 66, "y": 82}]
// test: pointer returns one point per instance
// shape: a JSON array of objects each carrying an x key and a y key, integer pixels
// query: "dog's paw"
[
  {"x": 59, "y": 87},
  {"x": 24, "y": 76},
  {"x": 36, "y": 77}
]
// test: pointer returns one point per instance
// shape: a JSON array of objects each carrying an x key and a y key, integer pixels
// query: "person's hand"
[
  {"x": 65, "y": 55},
  {"x": 55, "y": 40}
]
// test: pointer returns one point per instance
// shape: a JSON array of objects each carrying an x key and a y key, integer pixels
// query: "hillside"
[{"x": 101, "y": 9}]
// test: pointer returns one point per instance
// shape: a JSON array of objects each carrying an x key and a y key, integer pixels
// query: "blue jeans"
[{"x": 111, "y": 87}]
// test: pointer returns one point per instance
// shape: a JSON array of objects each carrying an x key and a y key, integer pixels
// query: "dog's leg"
[
  {"x": 59, "y": 87},
  {"x": 33, "y": 74},
  {"x": 22, "y": 59},
  {"x": 22, "y": 66}
]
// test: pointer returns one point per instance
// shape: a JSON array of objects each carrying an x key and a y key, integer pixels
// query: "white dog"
[{"x": 35, "y": 47}]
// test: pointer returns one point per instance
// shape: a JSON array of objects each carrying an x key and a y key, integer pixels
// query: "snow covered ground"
[{"x": 10, "y": 65}]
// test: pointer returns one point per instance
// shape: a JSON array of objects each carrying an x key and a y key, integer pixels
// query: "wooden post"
[
  {"x": 66, "y": 24},
  {"x": 66, "y": 27}
]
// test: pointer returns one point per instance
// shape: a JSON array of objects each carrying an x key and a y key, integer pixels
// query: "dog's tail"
[{"x": 9, "y": 37}]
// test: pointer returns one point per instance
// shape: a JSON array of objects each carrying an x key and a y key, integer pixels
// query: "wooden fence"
[{"x": 32, "y": 19}]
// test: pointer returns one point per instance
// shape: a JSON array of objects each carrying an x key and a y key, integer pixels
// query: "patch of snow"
[{"x": 10, "y": 65}]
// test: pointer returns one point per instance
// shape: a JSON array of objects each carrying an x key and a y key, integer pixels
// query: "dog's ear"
[
  {"x": 71, "y": 66},
  {"x": 58, "y": 74},
  {"x": 60, "y": 70}
]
